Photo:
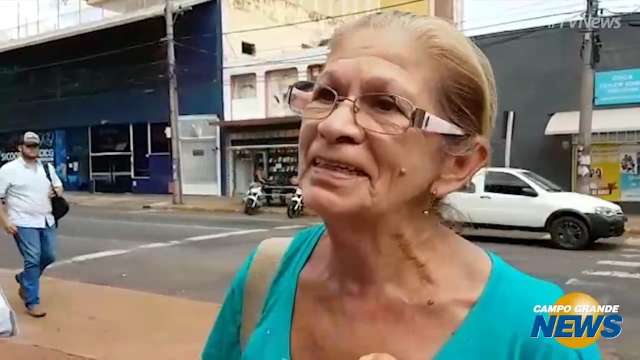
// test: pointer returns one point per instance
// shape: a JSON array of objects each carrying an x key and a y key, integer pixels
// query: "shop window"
[
  {"x": 141, "y": 150},
  {"x": 278, "y": 83},
  {"x": 282, "y": 165},
  {"x": 313, "y": 71},
  {"x": 159, "y": 142},
  {"x": 112, "y": 164},
  {"x": 244, "y": 97},
  {"x": 110, "y": 139}
]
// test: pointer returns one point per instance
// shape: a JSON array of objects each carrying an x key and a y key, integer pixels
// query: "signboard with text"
[
  {"x": 9, "y": 151},
  {"x": 617, "y": 87}
]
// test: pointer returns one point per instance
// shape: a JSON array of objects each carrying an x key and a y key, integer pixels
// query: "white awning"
[{"x": 603, "y": 121}]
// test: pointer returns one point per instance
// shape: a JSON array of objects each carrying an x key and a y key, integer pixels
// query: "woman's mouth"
[{"x": 338, "y": 167}]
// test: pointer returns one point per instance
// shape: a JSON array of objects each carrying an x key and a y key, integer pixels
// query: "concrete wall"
[{"x": 538, "y": 73}]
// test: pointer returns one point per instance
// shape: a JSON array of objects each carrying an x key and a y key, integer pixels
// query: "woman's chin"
[{"x": 330, "y": 204}]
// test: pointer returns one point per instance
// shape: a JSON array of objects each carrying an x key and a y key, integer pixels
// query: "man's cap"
[{"x": 30, "y": 138}]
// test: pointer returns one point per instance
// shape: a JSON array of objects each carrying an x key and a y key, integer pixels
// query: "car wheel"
[{"x": 571, "y": 233}]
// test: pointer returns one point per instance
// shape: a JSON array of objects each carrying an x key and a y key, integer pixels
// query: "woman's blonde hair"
[{"x": 468, "y": 91}]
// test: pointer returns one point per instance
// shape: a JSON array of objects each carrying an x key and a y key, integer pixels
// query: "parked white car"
[{"x": 516, "y": 199}]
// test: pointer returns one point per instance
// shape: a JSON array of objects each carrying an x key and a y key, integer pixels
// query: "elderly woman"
[{"x": 400, "y": 117}]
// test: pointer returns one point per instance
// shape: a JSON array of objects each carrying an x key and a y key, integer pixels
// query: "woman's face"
[{"x": 345, "y": 169}]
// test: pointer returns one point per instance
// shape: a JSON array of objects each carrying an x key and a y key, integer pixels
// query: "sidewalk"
[
  {"x": 98, "y": 322},
  {"x": 164, "y": 202}
]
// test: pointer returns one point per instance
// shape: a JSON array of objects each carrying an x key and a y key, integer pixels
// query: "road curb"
[
  {"x": 634, "y": 231},
  {"x": 632, "y": 242},
  {"x": 236, "y": 210},
  {"x": 188, "y": 208}
]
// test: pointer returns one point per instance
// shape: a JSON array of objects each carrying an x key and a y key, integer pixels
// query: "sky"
[{"x": 481, "y": 16}]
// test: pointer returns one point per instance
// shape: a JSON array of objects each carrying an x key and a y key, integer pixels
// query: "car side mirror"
[{"x": 529, "y": 192}]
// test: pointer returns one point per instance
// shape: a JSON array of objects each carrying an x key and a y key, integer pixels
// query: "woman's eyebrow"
[{"x": 385, "y": 85}]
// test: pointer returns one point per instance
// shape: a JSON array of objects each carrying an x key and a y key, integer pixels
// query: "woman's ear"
[{"x": 459, "y": 167}]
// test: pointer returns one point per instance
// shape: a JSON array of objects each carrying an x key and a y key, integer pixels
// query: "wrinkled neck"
[{"x": 397, "y": 250}]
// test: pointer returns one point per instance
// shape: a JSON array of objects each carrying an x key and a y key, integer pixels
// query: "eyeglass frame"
[{"x": 419, "y": 118}]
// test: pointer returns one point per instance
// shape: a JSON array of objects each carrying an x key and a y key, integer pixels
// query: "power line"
[
  {"x": 92, "y": 56},
  {"x": 194, "y": 48},
  {"x": 510, "y": 12},
  {"x": 281, "y": 61},
  {"x": 523, "y": 20},
  {"x": 324, "y": 18}
]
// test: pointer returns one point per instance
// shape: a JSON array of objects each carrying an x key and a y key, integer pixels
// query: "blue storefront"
[{"x": 99, "y": 99}]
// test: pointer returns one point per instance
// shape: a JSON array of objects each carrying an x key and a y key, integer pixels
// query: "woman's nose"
[{"x": 341, "y": 126}]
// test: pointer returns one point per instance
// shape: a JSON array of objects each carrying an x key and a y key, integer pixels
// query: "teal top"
[{"x": 497, "y": 327}]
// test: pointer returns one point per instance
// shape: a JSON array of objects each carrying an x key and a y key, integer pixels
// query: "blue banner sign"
[{"x": 617, "y": 87}]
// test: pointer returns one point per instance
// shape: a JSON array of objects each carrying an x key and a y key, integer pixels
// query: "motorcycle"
[
  {"x": 296, "y": 205},
  {"x": 253, "y": 199}
]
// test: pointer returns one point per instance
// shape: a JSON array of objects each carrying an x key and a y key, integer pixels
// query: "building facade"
[
  {"x": 264, "y": 55},
  {"x": 97, "y": 93},
  {"x": 260, "y": 130},
  {"x": 538, "y": 75}
]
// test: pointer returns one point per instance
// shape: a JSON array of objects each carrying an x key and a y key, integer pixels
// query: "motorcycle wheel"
[
  {"x": 250, "y": 210},
  {"x": 292, "y": 212}
]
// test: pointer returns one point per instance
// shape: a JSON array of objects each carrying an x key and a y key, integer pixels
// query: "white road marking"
[
  {"x": 619, "y": 263},
  {"x": 216, "y": 236},
  {"x": 631, "y": 250},
  {"x": 155, "y": 245},
  {"x": 630, "y": 256},
  {"x": 103, "y": 254},
  {"x": 87, "y": 257},
  {"x": 618, "y": 274},
  {"x": 578, "y": 282},
  {"x": 145, "y": 223},
  {"x": 289, "y": 227}
]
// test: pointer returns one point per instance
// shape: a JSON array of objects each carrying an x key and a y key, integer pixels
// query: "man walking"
[{"x": 27, "y": 193}]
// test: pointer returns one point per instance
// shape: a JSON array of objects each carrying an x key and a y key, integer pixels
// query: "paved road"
[{"x": 196, "y": 255}]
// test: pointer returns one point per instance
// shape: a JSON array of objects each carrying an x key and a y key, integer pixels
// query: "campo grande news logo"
[{"x": 576, "y": 320}]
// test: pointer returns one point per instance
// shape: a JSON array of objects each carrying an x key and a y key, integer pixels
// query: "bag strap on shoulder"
[
  {"x": 47, "y": 172},
  {"x": 266, "y": 262}
]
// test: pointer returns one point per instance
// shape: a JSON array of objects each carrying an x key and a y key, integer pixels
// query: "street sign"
[{"x": 617, "y": 87}]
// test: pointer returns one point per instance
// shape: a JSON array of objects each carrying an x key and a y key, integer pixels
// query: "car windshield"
[{"x": 545, "y": 184}]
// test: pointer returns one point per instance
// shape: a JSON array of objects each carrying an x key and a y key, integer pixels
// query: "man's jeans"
[{"x": 37, "y": 247}]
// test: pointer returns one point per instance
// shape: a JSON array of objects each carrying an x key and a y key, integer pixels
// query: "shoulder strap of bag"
[
  {"x": 261, "y": 273},
  {"x": 47, "y": 171}
]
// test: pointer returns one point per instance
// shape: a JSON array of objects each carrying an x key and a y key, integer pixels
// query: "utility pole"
[
  {"x": 586, "y": 98},
  {"x": 173, "y": 105}
]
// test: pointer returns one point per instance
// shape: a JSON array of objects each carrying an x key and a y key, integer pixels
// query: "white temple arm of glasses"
[{"x": 434, "y": 124}]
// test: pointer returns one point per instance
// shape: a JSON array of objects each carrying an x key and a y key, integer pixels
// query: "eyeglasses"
[
  {"x": 32, "y": 146},
  {"x": 378, "y": 112}
]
